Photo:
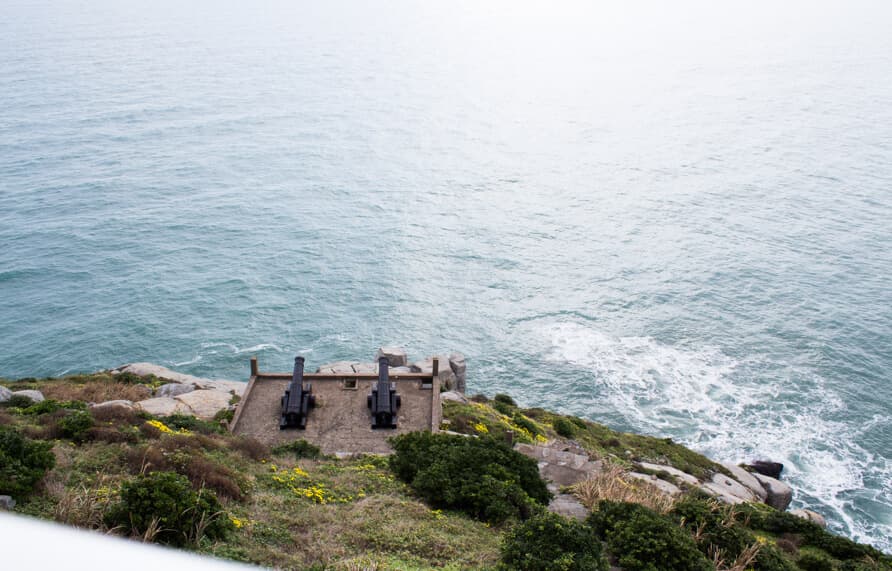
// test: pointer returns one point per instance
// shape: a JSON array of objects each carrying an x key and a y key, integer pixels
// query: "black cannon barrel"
[
  {"x": 298, "y": 375},
  {"x": 384, "y": 385},
  {"x": 297, "y": 400}
]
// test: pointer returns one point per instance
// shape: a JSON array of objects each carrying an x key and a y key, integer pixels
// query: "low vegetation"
[
  {"x": 482, "y": 477},
  {"x": 440, "y": 501}
]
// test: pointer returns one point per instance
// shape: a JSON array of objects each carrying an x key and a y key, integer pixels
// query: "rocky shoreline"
[{"x": 562, "y": 464}]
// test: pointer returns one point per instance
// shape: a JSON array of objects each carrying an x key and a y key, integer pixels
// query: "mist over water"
[{"x": 670, "y": 219}]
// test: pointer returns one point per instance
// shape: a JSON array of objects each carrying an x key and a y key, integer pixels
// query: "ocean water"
[{"x": 673, "y": 218}]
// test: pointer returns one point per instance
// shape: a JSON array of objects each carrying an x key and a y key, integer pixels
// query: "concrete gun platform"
[{"x": 341, "y": 421}]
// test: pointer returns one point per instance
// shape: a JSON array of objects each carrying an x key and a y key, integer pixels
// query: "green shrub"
[
  {"x": 770, "y": 558},
  {"x": 75, "y": 425},
  {"x": 224, "y": 415},
  {"x": 715, "y": 526},
  {"x": 18, "y": 401},
  {"x": 23, "y": 462},
  {"x": 778, "y": 522},
  {"x": 164, "y": 501},
  {"x": 300, "y": 449},
  {"x": 564, "y": 427},
  {"x": 191, "y": 423},
  {"x": 526, "y": 423},
  {"x": 49, "y": 406},
  {"x": 578, "y": 422},
  {"x": 505, "y": 399},
  {"x": 504, "y": 408},
  {"x": 549, "y": 542},
  {"x": 643, "y": 540},
  {"x": 480, "y": 476},
  {"x": 814, "y": 562}
]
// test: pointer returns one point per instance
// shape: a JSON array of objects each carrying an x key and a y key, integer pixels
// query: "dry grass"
[
  {"x": 95, "y": 391},
  {"x": 117, "y": 415},
  {"x": 614, "y": 483},
  {"x": 743, "y": 562},
  {"x": 172, "y": 455},
  {"x": 82, "y": 506},
  {"x": 110, "y": 434},
  {"x": 250, "y": 447}
]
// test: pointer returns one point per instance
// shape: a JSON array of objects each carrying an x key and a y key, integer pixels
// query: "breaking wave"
[{"x": 730, "y": 410}]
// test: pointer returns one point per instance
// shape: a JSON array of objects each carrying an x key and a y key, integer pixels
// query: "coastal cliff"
[{"x": 82, "y": 450}]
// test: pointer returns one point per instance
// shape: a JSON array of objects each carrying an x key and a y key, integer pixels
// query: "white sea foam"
[
  {"x": 709, "y": 401},
  {"x": 260, "y": 347},
  {"x": 191, "y": 361}
]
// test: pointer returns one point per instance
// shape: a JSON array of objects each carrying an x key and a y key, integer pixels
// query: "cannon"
[
  {"x": 384, "y": 402},
  {"x": 298, "y": 399}
]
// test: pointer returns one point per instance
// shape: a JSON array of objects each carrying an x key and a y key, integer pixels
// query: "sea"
[{"x": 674, "y": 218}]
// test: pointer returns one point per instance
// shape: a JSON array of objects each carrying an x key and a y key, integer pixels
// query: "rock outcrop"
[
  {"x": 779, "y": 494},
  {"x": 811, "y": 516},
  {"x": 5, "y": 394},
  {"x": 748, "y": 480},
  {"x": 183, "y": 394},
  {"x": 144, "y": 369},
  {"x": 35, "y": 396},
  {"x": 766, "y": 468},
  {"x": 561, "y": 468},
  {"x": 459, "y": 367}
]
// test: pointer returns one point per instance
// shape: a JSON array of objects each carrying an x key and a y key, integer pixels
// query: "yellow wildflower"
[
  {"x": 160, "y": 426},
  {"x": 481, "y": 428}
]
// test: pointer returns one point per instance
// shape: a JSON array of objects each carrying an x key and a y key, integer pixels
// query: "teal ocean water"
[{"x": 674, "y": 220}]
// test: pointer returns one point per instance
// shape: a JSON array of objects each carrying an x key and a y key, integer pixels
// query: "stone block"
[
  {"x": 396, "y": 356},
  {"x": 459, "y": 368}
]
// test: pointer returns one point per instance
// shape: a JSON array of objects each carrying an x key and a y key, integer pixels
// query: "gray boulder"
[
  {"x": 662, "y": 485},
  {"x": 113, "y": 405},
  {"x": 460, "y": 369},
  {"x": 174, "y": 389},
  {"x": 205, "y": 403},
  {"x": 811, "y": 516},
  {"x": 748, "y": 480},
  {"x": 396, "y": 356},
  {"x": 7, "y": 503},
  {"x": 163, "y": 406},
  {"x": 674, "y": 472},
  {"x": 35, "y": 396},
  {"x": 728, "y": 490},
  {"x": 445, "y": 374},
  {"x": 568, "y": 506},
  {"x": 144, "y": 369},
  {"x": 453, "y": 396},
  {"x": 779, "y": 494},
  {"x": 5, "y": 394},
  {"x": 767, "y": 468}
]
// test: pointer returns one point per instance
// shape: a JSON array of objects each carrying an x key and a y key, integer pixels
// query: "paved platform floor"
[{"x": 341, "y": 421}]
